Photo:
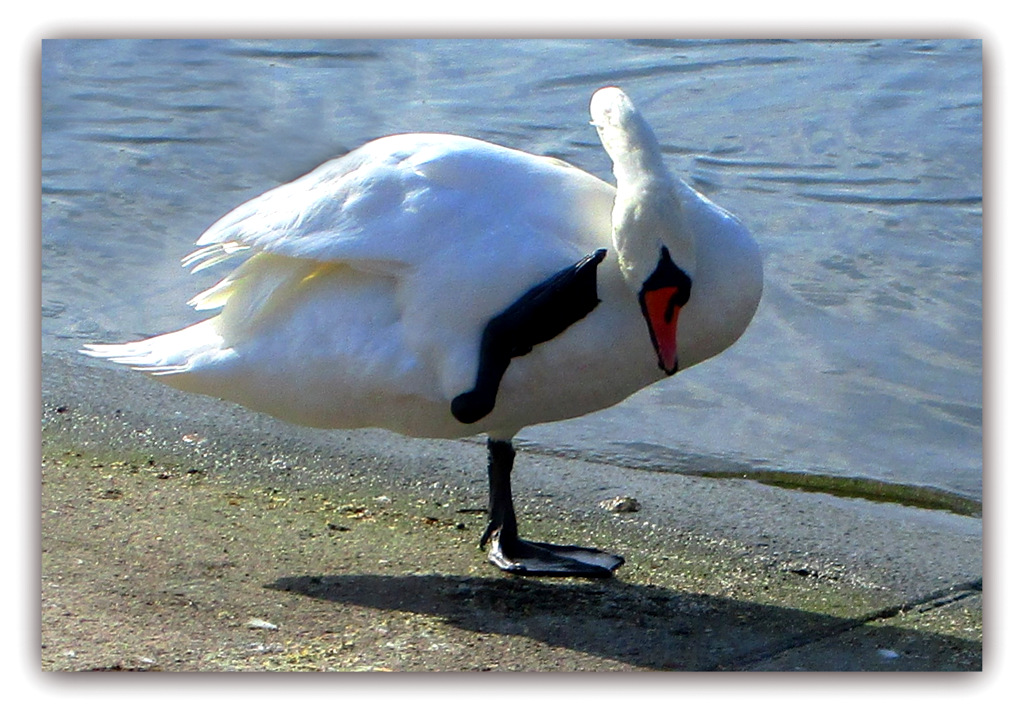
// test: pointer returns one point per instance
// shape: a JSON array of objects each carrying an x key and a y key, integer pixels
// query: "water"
[{"x": 857, "y": 165}]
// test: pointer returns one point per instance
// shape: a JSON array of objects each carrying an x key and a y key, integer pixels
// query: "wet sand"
[{"x": 181, "y": 533}]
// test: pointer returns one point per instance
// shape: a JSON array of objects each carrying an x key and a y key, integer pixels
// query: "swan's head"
[{"x": 651, "y": 225}]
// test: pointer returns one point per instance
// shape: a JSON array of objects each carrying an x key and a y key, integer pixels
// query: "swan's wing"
[
  {"x": 454, "y": 229},
  {"x": 400, "y": 200}
]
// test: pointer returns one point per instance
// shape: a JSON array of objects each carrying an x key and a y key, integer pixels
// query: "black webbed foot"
[
  {"x": 539, "y": 315},
  {"x": 542, "y": 559},
  {"x": 508, "y": 552}
]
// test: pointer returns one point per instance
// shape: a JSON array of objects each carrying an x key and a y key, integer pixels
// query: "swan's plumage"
[
  {"x": 368, "y": 281},
  {"x": 425, "y": 280}
]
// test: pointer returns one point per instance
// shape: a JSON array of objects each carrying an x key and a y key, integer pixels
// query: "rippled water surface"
[{"x": 857, "y": 166}]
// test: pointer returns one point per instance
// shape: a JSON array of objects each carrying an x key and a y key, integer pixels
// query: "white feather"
[{"x": 370, "y": 279}]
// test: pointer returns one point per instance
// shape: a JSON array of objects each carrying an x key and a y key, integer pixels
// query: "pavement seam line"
[{"x": 938, "y": 598}]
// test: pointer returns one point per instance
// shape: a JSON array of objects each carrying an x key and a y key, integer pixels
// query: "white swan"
[{"x": 442, "y": 286}]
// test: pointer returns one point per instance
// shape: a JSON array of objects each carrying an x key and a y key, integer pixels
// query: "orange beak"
[{"x": 661, "y": 309}]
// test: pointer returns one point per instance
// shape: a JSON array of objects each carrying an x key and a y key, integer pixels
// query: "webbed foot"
[
  {"x": 501, "y": 538},
  {"x": 519, "y": 556}
]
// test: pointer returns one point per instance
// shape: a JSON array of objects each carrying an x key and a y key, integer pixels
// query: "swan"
[{"x": 441, "y": 286}]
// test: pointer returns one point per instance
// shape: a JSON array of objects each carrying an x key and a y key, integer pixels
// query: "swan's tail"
[
  {"x": 170, "y": 357},
  {"x": 203, "y": 357}
]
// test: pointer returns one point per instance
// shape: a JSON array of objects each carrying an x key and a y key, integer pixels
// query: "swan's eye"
[{"x": 667, "y": 275}]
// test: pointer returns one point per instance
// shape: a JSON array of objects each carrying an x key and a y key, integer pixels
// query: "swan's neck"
[
  {"x": 647, "y": 218},
  {"x": 649, "y": 212}
]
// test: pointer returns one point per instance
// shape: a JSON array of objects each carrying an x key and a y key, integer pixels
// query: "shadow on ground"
[{"x": 645, "y": 626}]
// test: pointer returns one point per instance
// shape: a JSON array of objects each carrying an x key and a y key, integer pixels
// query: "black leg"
[
  {"x": 537, "y": 316},
  {"x": 501, "y": 538},
  {"x": 500, "y": 511}
]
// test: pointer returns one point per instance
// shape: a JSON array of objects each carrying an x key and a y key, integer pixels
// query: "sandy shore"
[{"x": 184, "y": 534}]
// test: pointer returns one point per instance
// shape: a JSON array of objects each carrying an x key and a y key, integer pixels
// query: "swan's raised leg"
[
  {"x": 537, "y": 316},
  {"x": 501, "y": 538}
]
